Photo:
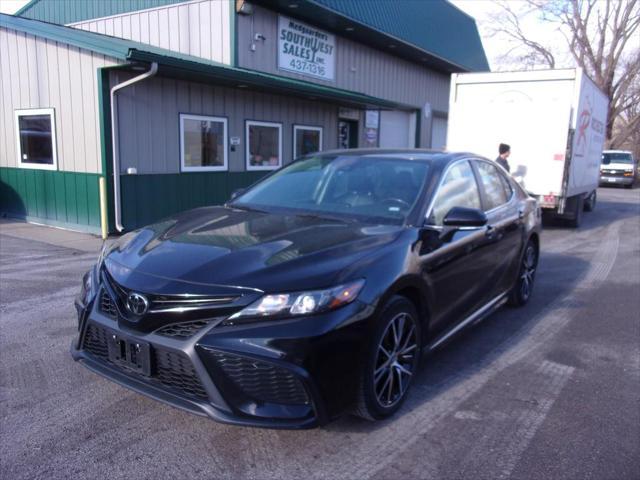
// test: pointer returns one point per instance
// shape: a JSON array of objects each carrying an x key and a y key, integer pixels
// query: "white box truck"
[{"x": 554, "y": 121}]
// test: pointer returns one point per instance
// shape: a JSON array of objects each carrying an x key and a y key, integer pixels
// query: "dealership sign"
[{"x": 306, "y": 50}]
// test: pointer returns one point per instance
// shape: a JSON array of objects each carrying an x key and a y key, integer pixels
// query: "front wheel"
[
  {"x": 390, "y": 362},
  {"x": 522, "y": 289}
]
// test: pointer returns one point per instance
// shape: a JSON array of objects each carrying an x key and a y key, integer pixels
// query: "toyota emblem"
[{"x": 137, "y": 304}]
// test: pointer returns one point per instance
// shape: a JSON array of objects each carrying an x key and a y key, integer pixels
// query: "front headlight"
[
  {"x": 298, "y": 304},
  {"x": 89, "y": 286}
]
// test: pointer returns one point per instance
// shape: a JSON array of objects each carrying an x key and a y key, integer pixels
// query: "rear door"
[{"x": 505, "y": 228}]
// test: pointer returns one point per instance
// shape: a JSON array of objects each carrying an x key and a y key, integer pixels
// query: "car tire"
[
  {"x": 590, "y": 202},
  {"x": 629, "y": 185},
  {"x": 386, "y": 374},
  {"x": 523, "y": 287}
]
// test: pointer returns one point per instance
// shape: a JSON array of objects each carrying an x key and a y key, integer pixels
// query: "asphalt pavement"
[{"x": 548, "y": 391}]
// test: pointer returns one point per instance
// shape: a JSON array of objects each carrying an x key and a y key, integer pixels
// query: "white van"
[{"x": 618, "y": 168}]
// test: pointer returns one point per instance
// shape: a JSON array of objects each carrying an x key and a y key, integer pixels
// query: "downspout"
[{"x": 114, "y": 140}]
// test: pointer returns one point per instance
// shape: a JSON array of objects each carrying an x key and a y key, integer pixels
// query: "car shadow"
[
  {"x": 479, "y": 346},
  {"x": 11, "y": 204},
  {"x": 597, "y": 219}
]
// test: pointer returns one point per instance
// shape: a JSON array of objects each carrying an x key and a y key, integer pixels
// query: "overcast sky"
[{"x": 11, "y": 6}]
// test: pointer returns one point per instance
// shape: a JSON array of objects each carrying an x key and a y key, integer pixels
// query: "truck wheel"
[
  {"x": 590, "y": 202},
  {"x": 576, "y": 220}
]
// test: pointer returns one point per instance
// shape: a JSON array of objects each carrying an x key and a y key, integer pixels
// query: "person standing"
[{"x": 504, "y": 151}]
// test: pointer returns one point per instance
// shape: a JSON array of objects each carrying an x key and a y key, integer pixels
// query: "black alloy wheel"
[
  {"x": 522, "y": 289},
  {"x": 391, "y": 361}
]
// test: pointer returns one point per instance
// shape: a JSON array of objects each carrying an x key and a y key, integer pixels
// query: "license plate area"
[{"x": 130, "y": 353}]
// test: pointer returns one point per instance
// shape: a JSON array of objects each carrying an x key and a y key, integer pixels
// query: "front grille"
[
  {"x": 615, "y": 173},
  {"x": 107, "y": 305},
  {"x": 183, "y": 330},
  {"x": 171, "y": 303},
  {"x": 176, "y": 371},
  {"x": 173, "y": 369},
  {"x": 262, "y": 381}
]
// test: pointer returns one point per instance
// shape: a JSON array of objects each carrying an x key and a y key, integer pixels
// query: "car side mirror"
[
  {"x": 236, "y": 193},
  {"x": 461, "y": 217}
]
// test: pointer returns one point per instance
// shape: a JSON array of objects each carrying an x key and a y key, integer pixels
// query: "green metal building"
[{"x": 115, "y": 114}]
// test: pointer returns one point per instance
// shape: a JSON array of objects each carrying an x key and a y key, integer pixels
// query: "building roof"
[
  {"x": 69, "y": 11},
  {"x": 178, "y": 65},
  {"x": 432, "y": 31}
]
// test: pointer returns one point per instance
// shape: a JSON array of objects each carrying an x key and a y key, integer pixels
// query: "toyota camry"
[{"x": 313, "y": 293}]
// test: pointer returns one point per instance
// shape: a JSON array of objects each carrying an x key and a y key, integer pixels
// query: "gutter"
[{"x": 114, "y": 140}]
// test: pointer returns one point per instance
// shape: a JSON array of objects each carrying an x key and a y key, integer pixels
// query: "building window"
[
  {"x": 264, "y": 145},
  {"x": 306, "y": 140},
  {"x": 203, "y": 143},
  {"x": 36, "y": 130}
]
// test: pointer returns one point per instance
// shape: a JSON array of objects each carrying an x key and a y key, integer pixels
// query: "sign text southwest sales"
[{"x": 306, "y": 50}]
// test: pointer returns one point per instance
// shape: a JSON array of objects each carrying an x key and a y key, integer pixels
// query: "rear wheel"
[
  {"x": 576, "y": 220},
  {"x": 590, "y": 202},
  {"x": 522, "y": 289},
  {"x": 390, "y": 361}
]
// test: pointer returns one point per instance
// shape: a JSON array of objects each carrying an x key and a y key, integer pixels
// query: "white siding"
[
  {"x": 39, "y": 73},
  {"x": 200, "y": 28}
]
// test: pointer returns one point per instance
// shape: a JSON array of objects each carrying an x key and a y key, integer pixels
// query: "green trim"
[
  {"x": 54, "y": 197},
  {"x": 149, "y": 198}
]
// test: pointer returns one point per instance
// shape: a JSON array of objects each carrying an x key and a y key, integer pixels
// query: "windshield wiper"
[{"x": 323, "y": 216}]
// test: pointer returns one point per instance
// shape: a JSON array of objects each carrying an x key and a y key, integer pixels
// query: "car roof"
[{"x": 416, "y": 154}]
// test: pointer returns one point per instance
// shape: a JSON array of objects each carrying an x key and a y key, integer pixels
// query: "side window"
[
  {"x": 494, "y": 186},
  {"x": 458, "y": 189}
]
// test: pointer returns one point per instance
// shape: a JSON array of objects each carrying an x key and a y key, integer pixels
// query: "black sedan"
[{"x": 315, "y": 291}]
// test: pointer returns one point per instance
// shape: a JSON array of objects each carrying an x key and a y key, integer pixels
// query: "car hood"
[{"x": 222, "y": 246}]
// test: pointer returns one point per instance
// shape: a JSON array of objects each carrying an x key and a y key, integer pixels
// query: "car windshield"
[
  {"x": 618, "y": 157},
  {"x": 365, "y": 188}
]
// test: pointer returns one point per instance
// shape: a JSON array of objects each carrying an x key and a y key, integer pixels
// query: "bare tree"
[{"x": 603, "y": 37}]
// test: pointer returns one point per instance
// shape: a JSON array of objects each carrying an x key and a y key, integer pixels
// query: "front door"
[
  {"x": 347, "y": 134},
  {"x": 452, "y": 262}
]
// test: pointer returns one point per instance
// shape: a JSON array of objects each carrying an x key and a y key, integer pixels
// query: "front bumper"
[
  {"x": 292, "y": 374},
  {"x": 616, "y": 180}
]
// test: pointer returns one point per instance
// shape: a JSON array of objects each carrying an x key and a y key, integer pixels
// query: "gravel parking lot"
[{"x": 548, "y": 391}]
